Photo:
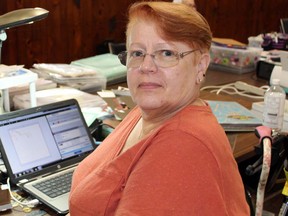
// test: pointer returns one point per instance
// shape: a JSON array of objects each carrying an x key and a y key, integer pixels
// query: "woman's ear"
[
  {"x": 202, "y": 67},
  {"x": 204, "y": 62}
]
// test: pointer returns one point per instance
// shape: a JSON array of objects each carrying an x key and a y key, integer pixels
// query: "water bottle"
[{"x": 274, "y": 105}]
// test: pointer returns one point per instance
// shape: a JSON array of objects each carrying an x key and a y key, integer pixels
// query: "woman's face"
[{"x": 155, "y": 88}]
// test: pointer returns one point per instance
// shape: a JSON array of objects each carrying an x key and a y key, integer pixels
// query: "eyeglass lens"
[{"x": 162, "y": 58}]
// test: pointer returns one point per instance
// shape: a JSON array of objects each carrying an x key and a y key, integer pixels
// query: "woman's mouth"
[{"x": 149, "y": 85}]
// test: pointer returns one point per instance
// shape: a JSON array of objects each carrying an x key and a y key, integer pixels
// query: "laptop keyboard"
[{"x": 56, "y": 186}]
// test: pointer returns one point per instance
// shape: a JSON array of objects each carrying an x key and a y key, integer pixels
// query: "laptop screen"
[{"x": 43, "y": 139}]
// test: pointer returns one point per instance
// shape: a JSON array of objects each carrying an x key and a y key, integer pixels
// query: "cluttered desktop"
[{"x": 235, "y": 82}]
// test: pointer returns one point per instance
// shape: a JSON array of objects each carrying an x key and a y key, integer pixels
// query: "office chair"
[{"x": 116, "y": 48}]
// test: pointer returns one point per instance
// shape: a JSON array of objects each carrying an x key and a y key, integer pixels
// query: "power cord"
[
  {"x": 239, "y": 88},
  {"x": 31, "y": 203}
]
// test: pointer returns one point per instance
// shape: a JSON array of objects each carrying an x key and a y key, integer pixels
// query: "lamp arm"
[{"x": 3, "y": 37}]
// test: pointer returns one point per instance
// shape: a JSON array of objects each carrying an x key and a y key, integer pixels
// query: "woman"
[{"x": 169, "y": 156}]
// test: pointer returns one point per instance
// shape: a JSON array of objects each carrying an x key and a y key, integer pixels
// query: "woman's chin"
[{"x": 149, "y": 105}]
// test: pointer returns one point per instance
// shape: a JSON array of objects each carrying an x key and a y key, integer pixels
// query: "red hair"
[{"x": 176, "y": 22}]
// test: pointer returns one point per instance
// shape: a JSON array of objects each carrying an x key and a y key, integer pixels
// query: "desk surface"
[{"x": 244, "y": 141}]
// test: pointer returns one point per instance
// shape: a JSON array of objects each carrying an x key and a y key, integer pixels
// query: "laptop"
[{"x": 42, "y": 142}]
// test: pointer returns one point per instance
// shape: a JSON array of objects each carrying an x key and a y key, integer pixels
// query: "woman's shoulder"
[
  {"x": 196, "y": 126},
  {"x": 200, "y": 118}
]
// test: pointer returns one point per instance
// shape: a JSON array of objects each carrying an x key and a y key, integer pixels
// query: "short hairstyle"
[{"x": 176, "y": 22}]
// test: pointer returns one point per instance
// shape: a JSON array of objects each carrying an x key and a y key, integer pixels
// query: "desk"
[{"x": 245, "y": 141}]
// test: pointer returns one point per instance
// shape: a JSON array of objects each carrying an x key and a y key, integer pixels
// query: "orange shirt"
[{"x": 186, "y": 167}]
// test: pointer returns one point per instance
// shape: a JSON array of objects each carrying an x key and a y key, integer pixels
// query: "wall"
[
  {"x": 77, "y": 29},
  {"x": 241, "y": 19}
]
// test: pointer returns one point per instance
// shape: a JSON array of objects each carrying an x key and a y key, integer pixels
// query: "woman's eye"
[
  {"x": 136, "y": 54},
  {"x": 167, "y": 53}
]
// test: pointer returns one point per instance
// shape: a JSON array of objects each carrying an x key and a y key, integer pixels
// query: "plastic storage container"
[
  {"x": 107, "y": 64},
  {"x": 233, "y": 59}
]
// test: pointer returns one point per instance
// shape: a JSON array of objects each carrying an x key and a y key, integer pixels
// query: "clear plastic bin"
[{"x": 233, "y": 59}]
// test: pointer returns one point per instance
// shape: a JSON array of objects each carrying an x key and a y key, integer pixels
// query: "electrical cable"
[
  {"x": 31, "y": 203},
  {"x": 209, "y": 87},
  {"x": 229, "y": 86},
  {"x": 232, "y": 90},
  {"x": 236, "y": 91}
]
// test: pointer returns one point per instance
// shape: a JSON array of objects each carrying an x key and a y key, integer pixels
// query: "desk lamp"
[{"x": 18, "y": 18}]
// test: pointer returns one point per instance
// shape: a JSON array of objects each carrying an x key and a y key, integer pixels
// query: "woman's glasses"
[{"x": 162, "y": 58}]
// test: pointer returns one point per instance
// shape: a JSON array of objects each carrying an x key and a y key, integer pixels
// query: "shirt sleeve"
[{"x": 176, "y": 175}]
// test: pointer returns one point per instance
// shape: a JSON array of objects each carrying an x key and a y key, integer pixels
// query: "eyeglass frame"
[{"x": 178, "y": 55}]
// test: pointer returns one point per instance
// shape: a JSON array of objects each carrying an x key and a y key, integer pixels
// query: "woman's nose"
[{"x": 148, "y": 64}]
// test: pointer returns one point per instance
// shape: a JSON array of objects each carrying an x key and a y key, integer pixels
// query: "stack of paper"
[
  {"x": 58, "y": 94},
  {"x": 41, "y": 84},
  {"x": 82, "y": 78}
]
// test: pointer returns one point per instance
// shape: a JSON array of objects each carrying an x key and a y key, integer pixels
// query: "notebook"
[{"x": 43, "y": 142}]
